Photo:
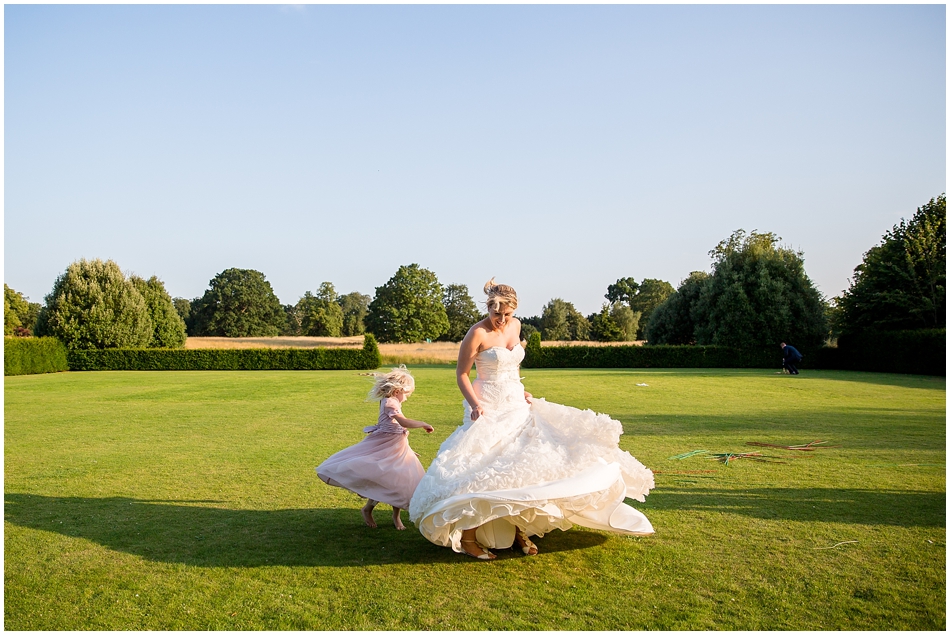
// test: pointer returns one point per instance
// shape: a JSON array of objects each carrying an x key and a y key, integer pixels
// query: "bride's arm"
[{"x": 468, "y": 349}]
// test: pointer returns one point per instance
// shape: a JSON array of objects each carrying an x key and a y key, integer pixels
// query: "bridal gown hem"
[{"x": 537, "y": 467}]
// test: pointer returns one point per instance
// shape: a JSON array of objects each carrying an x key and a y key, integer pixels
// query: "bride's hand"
[
  {"x": 528, "y": 397},
  {"x": 477, "y": 412}
]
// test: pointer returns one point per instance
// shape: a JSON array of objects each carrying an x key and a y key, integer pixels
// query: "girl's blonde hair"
[
  {"x": 500, "y": 294},
  {"x": 386, "y": 384}
]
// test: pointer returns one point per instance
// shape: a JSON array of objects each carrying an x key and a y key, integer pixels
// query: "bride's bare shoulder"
[{"x": 475, "y": 335}]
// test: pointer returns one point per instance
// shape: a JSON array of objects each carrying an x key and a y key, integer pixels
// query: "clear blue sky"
[{"x": 557, "y": 148}]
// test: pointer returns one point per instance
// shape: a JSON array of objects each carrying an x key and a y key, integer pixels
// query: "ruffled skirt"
[
  {"x": 382, "y": 467},
  {"x": 538, "y": 468}
]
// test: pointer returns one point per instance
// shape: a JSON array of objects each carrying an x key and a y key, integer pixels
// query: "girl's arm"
[
  {"x": 406, "y": 422},
  {"x": 468, "y": 349}
]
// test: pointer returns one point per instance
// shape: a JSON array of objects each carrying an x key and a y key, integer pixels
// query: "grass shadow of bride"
[{"x": 194, "y": 533}]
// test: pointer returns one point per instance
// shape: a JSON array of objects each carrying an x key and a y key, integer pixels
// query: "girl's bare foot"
[
  {"x": 397, "y": 521},
  {"x": 367, "y": 512}
]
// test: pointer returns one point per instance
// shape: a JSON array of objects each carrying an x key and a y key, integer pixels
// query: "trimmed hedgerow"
[
  {"x": 229, "y": 359},
  {"x": 537, "y": 356},
  {"x": 33, "y": 355},
  {"x": 916, "y": 352}
]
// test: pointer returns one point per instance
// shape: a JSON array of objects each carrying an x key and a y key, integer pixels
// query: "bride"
[{"x": 519, "y": 466}]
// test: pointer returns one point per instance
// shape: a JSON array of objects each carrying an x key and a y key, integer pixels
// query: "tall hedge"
[
  {"x": 917, "y": 352},
  {"x": 33, "y": 355},
  {"x": 662, "y": 356},
  {"x": 921, "y": 352},
  {"x": 230, "y": 359}
]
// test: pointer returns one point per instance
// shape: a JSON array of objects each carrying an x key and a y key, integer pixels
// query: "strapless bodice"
[
  {"x": 498, "y": 383},
  {"x": 499, "y": 363}
]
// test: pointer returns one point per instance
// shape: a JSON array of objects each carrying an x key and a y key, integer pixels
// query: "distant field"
[
  {"x": 274, "y": 342},
  {"x": 418, "y": 353}
]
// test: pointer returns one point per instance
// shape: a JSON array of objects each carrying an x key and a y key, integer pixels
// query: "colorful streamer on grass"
[
  {"x": 726, "y": 457},
  {"x": 686, "y": 455},
  {"x": 804, "y": 447}
]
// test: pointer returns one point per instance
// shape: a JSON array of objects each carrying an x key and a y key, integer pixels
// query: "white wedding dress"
[{"x": 539, "y": 467}]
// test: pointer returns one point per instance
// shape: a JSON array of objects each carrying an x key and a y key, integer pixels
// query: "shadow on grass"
[
  {"x": 867, "y": 428},
  {"x": 188, "y": 532},
  {"x": 855, "y": 506},
  {"x": 926, "y": 382}
]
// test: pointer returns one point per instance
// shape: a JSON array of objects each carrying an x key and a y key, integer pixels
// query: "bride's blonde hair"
[
  {"x": 500, "y": 294},
  {"x": 386, "y": 384}
]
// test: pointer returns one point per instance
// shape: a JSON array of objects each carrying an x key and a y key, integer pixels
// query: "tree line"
[{"x": 756, "y": 295}]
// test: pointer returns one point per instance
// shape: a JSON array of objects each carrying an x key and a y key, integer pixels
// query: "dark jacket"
[{"x": 792, "y": 354}]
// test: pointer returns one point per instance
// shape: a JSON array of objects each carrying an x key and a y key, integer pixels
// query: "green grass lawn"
[{"x": 188, "y": 500}]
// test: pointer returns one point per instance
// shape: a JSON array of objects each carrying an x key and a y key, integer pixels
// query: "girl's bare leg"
[
  {"x": 397, "y": 521},
  {"x": 367, "y": 512}
]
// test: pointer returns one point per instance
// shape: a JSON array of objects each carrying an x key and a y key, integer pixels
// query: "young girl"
[{"x": 382, "y": 467}]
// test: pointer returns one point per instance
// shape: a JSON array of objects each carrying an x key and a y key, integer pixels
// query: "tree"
[
  {"x": 624, "y": 290},
  {"x": 354, "y": 305},
  {"x": 901, "y": 283},
  {"x": 627, "y": 320},
  {"x": 19, "y": 314},
  {"x": 183, "y": 307},
  {"x": 560, "y": 321},
  {"x": 461, "y": 311},
  {"x": 168, "y": 328},
  {"x": 758, "y": 295},
  {"x": 603, "y": 328},
  {"x": 408, "y": 308},
  {"x": 651, "y": 294},
  {"x": 292, "y": 322},
  {"x": 93, "y": 305},
  {"x": 527, "y": 329},
  {"x": 642, "y": 298},
  {"x": 320, "y": 314},
  {"x": 672, "y": 321},
  {"x": 238, "y": 303}
]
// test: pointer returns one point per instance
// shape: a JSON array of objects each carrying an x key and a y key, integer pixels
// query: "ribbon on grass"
[
  {"x": 686, "y": 455},
  {"x": 805, "y": 447}
]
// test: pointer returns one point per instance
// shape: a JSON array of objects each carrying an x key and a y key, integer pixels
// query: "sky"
[{"x": 557, "y": 148}]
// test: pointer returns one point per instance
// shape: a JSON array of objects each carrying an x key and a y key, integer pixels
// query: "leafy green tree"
[
  {"x": 93, "y": 305},
  {"x": 642, "y": 298},
  {"x": 320, "y": 313},
  {"x": 168, "y": 329},
  {"x": 651, "y": 294},
  {"x": 355, "y": 306},
  {"x": 527, "y": 329},
  {"x": 560, "y": 321},
  {"x": 672, "y": 321},
  {"x": 624, "y": 290},
  {"x": 603, "y": 328},
  {"x": 529, "y": 325},
  {"x": 408, "y": 308},
  {"x": 19, "y": 314},
  {"x": 758, "y": 295},
  {"x": 183, "y": 307},
  {"x": 627, "y": 320},
  {"x": 554, "y": 326},
  {"x": 292, "y": 323},
  {"x": 239, "y": 303},
  {"x": 901, "y": 283},
  {"x": 461, "y": 310}
]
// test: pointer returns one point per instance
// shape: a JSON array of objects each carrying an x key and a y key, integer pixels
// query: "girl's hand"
[
  {"x": 427, "y": 427},
  {"x": 477, "y": 411},
  {"x": 528, "y": 397}
]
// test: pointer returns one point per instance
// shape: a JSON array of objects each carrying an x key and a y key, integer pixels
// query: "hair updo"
[{"x": 500, "y": 294}]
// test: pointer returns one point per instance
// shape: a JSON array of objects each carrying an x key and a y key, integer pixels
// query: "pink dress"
[{"x": 382, "y": 466}]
